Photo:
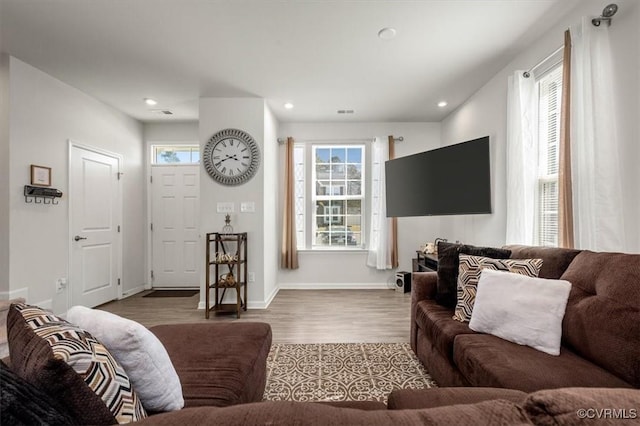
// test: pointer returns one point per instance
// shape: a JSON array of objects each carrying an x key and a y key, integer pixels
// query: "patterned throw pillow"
[
  {"x": 70, "y": 365},
  {"x": 448, "y": 266},
  {"x": 469, "y": 274}
]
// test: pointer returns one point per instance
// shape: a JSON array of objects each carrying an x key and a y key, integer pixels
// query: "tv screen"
[{"x": 454, "y": 179}]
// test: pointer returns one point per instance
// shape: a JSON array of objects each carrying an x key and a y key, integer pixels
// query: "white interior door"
[
  {"x": 95, "y": 210},
  {"x": 175, "y": 199}
]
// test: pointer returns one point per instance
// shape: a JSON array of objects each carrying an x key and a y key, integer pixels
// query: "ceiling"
[{"x": 322, "y": 56}]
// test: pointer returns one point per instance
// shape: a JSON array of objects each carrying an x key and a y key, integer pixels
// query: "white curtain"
[
  {"x": 522, "y": 159},
  {"x": 379, "y": 255},
  {"x": 597, "y": 186}
]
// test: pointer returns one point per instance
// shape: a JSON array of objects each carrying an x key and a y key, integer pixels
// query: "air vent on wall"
[{"x": 345, "y": 111}]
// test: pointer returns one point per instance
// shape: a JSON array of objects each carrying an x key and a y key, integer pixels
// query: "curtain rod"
[
  {"x": 527, "y": 74},
  {"x": 283, "y": 140}
]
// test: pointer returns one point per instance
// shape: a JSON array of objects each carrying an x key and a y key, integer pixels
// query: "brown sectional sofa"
[
  {"x": 601, "y": 329},
  {"x": 218, "y": 364},
  {"x": 439, "y": 406}
]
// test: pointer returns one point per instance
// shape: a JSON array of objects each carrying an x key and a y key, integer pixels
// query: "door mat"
[
  {"x": 172, "y": 293},
  {"x": 342, "y": 371}
]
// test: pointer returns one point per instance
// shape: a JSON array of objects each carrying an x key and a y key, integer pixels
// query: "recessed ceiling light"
[
  {"x": 442, "y": 104},
  {"x": 288, "y": 105},
  {"x": 387, "y": 33},
  {"x": 150, "y": 101}
]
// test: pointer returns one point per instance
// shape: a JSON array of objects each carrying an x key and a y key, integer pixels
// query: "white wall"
[
  {"x": 4, "y": 176},
  {"x": 486, "y": 111},
  {"x": 319, "y": 269},
  {"x": 172, "y": 131},
  {"x": 247, "y": 114},
  {"x": 45, "y": 114}
]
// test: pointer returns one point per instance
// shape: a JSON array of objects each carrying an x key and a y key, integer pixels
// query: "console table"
[
  {"x": 425, "y": 262},
  {"x": 227, "y": 256}
]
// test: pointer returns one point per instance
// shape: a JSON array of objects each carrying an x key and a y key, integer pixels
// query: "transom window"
[{"x": 175, "y": 154}]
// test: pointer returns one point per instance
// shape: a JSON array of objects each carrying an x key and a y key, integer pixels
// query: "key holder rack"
[{"x": 38, "y": 195}]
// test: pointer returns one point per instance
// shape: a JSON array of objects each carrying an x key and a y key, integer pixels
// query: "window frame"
[
  {"x": 310, "y": 197},
  {"x": 193, "y": 147},
  {"x": 544, "y": 177}
]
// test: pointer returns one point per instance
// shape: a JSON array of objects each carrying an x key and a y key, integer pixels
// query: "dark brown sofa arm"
[{"x": 423, "y": 286}]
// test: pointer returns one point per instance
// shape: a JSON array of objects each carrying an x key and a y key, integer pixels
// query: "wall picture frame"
[{"x": 40, "y": 175}]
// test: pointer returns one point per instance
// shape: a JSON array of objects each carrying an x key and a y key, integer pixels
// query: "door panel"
[
  {"x": 175, "y": 217},
  {"x": 94, "y": 195}
]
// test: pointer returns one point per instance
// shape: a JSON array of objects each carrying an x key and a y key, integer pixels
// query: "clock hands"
[{"x": 229, "y": 157}]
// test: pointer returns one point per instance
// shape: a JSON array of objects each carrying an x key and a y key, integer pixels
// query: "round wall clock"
[{"x": 231, "y": 157}]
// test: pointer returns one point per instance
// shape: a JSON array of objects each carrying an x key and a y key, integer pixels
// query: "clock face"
[{"x": 231, "y": 157}]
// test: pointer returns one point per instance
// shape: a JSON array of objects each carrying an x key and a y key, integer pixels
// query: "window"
[
  {"x": 549, "y": 106},
  {"x": 333, "y": 216},
  {"x": 175, "y": 154}
]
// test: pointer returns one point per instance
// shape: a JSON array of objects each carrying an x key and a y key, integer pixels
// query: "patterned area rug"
[{"x": 342, "y": 371}]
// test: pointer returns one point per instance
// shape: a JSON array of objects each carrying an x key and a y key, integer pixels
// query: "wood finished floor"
[{"x": 296, "y": 316}]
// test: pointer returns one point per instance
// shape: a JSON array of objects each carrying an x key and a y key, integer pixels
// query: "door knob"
[{"x": 78, "y": 238}]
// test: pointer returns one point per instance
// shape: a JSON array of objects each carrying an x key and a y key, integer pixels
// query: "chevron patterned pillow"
[
  {"x": 70, "y": 365},
  {"x": 469, "y": 274}
]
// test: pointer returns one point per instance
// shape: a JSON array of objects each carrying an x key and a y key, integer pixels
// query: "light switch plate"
[
  {"x": 247, "y": 207},
  {"x": 225, "y": 207}
]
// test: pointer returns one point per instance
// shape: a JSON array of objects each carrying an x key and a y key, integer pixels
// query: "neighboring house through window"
[{"x": 330, "y": 196}]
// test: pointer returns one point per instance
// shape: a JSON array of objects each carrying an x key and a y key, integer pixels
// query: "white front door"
[
  {"x": 95, "y": 209},
  {"x": 175, "y": 207}
]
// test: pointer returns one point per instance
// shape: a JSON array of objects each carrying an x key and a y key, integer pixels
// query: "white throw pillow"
[
  {"x": 140, "y": 353},
  {"x": 520, "y": 309}
]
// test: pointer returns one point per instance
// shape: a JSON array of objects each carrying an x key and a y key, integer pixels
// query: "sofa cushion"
[
  {"x": 70, "y": 365},
  {"x": 435, "y": 321},
  {"x": 448, "y": 267},
  {"x": 602, "y": 320},
  {"x": 24, "y": 404},
  {"x": 470, "y": 270},
  {"x": 139, "y": 352},
  {"x": 488, "y": 413},
  {"x": 487, "y": 360},
  {"x": 520, "y": 309},
  {"x": 554, "y": 260},
  {"x": 402, "y": 399},
  {"x": 218, "y": 364},
  {"x": 587, "y": 406}
]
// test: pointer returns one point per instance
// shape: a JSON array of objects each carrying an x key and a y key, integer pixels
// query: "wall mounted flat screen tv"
[{"x": 454, "y": 179}]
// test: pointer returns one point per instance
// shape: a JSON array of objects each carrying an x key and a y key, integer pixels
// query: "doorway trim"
[{"x": 119, "y": 246}]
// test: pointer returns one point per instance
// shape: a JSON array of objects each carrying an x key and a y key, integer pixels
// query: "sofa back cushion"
[
  {"x": 448, "y": 265},
  {"x": 554, "y": 260},
  {"x": 602, "y": 319}
]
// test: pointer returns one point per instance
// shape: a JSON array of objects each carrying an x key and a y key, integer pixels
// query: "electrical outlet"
[
  {"x": 61, "y": 284},
  {"x": 252, "y": 277}
]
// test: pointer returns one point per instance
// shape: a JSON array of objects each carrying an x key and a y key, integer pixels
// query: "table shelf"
[{"x": 217, "y": 276}]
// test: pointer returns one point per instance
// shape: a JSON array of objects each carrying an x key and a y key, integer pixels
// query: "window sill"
[{"x": 333, "y": 251}]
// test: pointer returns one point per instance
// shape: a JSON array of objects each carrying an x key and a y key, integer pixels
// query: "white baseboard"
[
  {"x": 333, "y": 286},
  {"x": 133, "y": 291},
  {"x": 14, "y": 294},
  {"x": 45, "y": 304},
  {"x": 253, "y": 304}
]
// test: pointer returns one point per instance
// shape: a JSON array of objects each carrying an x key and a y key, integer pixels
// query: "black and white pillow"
[{"x": 469, "y": 273}]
